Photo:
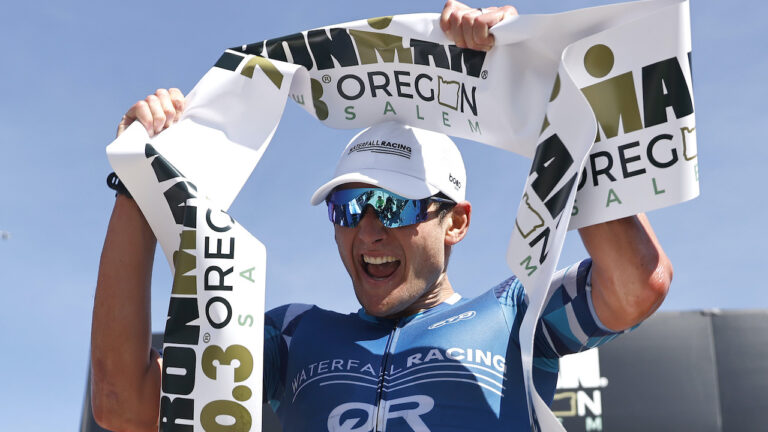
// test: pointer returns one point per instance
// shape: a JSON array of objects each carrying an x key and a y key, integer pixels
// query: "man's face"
[{"x": 395, "y": 271}]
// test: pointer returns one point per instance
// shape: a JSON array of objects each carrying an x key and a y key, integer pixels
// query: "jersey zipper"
[{"x": 380, "y": 422}]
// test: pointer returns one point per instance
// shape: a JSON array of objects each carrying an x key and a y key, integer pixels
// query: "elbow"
[
  {"x": 115, "y": 410},
  {"x": 107, "y": 415},
  {"x": 622, "y": 303},
  {"x": 100, "y": 403},
  {"x": 101, "y": 416},
  {"x": 97, "y": 394},
  {"x": 104, "y": 401},
  {"x": 660, "y": 282},
  {"x": 656, "y": 289}
]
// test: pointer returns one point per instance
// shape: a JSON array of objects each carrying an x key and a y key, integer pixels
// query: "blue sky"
[{"x": 71, "y": 69}]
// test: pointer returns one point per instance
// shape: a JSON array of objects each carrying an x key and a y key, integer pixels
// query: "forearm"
[
  {"x": 125, "y": 371},
  {"x": 630, "y": 271}
]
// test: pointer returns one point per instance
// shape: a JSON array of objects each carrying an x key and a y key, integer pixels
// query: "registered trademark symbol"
[
  {"x": 326, "y": 78},
  {"x": 484, "y": 74},
  {"x": 207, "y": 337}
]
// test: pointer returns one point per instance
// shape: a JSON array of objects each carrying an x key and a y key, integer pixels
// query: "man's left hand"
[{"x": 470, "y": 27}]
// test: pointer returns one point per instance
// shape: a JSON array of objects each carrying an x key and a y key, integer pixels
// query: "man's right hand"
[{"x": 156, "y": 112}]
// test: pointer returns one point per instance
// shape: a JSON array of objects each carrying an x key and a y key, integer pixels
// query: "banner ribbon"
[{"x": 599, "y": 98}]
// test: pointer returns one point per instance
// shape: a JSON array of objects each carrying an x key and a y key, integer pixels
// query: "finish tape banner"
[
  {"x": 207, "y": 293},
  {"x": 599, "y": 98}
]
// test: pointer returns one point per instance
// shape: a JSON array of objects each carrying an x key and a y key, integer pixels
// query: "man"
[{"x": 416, "y": 356}]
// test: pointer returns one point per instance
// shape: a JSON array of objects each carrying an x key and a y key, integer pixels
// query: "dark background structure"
[{"x": 703, "y": 371}]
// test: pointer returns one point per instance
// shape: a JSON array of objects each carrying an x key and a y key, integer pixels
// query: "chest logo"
[
  {"x": 461, "y": 317},
  {"x": 359, "y": 416}
]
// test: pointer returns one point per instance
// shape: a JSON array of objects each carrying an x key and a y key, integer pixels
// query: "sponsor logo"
[
  {"x": 528, "y": 220},
  {"x": 578, "y": 399},
  {"x": 461, "y": 317},
  {"x": 359, "y": 416},
  {"x": 639, "y": 126},
  {"x": 455, "y": 181},
  {"x": 385, "y": 147},
  {"x": 340, "y": 47},
  {"x": 361, "y": 64},
  {"x": 366, "y": 372},
  {"x": 639, "y": 134},
  {"x": 182, "y": 360}
]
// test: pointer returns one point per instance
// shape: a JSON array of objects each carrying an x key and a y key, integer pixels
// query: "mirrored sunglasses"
[{"x": 346, "y": 207}]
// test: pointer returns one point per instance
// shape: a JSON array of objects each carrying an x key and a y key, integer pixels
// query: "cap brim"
[{"x": 397, "y": 182}]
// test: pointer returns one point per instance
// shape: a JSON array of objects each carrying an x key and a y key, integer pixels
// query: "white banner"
[
  {"x": 217, "y": 299},
  {"x": 618, "y": 76}
]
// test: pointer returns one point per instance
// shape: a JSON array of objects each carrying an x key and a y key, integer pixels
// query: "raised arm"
[
  {"x": 125, "y": 371},
  {"x": 631, "y": 273}
]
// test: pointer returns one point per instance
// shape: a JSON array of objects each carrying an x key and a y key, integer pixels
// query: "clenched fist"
[{"x": 469, "y": 27}]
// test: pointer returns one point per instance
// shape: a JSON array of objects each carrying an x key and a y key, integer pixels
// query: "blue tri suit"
[{"x": 455, "y": 367}]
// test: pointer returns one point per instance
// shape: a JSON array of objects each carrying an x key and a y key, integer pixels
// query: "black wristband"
[{"x": 114, "y": 183}]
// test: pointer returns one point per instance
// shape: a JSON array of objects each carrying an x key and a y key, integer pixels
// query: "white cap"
[{"x": 406, "y": 160}]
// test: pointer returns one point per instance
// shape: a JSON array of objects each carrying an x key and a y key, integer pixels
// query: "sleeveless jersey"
[{"x": 455, "y": 367}]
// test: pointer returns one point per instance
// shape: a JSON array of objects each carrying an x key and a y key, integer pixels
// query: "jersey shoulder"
[{"x": 286, "y": 318}]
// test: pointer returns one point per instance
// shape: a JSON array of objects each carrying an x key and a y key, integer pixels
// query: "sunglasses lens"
[{"x": 346, "y": 207}]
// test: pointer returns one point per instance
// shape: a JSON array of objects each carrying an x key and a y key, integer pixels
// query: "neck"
[{"x": 439, "y": 293}]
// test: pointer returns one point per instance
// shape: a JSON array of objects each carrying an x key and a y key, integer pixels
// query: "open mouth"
[{"x": 379, "y": 267}]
